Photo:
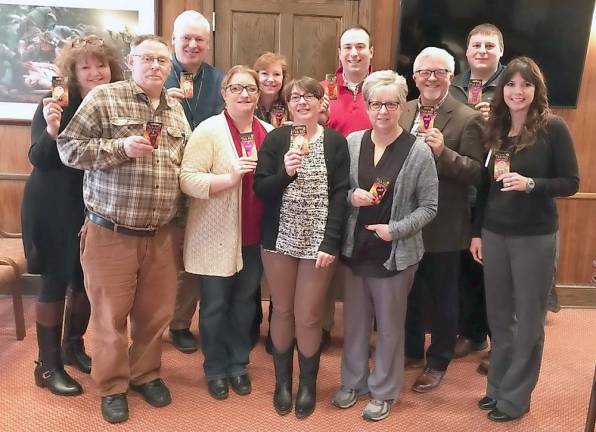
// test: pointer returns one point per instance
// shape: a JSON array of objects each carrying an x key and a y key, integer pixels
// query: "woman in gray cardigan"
[{"x": 393, "y": 194}]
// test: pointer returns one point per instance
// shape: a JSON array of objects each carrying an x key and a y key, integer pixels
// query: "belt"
[{"x": 103, "y": 222}]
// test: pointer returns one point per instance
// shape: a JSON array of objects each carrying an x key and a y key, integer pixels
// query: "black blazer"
[{"x": 271, "y": 179}]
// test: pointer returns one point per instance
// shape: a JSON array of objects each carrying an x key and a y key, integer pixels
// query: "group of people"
[{"x": 361, "y": 184}]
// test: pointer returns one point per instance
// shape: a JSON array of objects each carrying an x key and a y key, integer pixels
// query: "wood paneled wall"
[{"x": 577, "y": 214}]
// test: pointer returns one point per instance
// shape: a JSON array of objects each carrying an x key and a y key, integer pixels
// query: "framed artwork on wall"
[{"x": 33, "y": 32}]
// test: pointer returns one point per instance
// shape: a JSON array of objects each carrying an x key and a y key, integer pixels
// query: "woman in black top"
[
  {"x": 303, "y": 185},
  {"x": 50, "y": 233},
  {"x": 531, "y": 161}
]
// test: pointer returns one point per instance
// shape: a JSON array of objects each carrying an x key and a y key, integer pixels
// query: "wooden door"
[{"x": 305, "y": 31}]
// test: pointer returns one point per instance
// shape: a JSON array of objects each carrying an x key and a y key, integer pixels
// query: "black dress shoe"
[
  {"x": 183, "y": 340},
  {"x": 154, "y": 392},
  {"x": 241, "y": 384},
  {"x": 73, "y": 354},
  {"x": 114, "y": 408},
  {"x": 218, "y": 388},
  {"x": 497, "y": 415},
  {"x": 487, "y": 403}
]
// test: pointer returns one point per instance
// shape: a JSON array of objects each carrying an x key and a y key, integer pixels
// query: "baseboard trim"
[{"x": 576, "y": 296}]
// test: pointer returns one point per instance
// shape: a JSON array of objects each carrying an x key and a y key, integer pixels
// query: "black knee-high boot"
[
  {"x": 307, "y": 388},
  {"x": 283, "y": 363},
  {"x": 76, "y": 320},
  {"x": 49, "y": 371}
]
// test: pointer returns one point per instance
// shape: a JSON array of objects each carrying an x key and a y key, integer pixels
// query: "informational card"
[
  {"x": 379, "y": 188},
  {"x": 187, "y": 84},
  {"x": 279, "y": 115},
  {"x": 475, "y": 92},
  {"x": 298, "y": 140},
  {"x": 153, "y": 133},
  {"x": 60, "y": 90},
  {"x": 247, "y": 143},
  {"x": 331, "y": 86},
  {"x": 502, "y": 163},
  {"x": 427, "y": 118}
]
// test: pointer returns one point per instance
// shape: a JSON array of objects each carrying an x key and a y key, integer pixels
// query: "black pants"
[
  {"x": 472, "y": 304},
  {"x": 435, "y": 285},
  {"x": 227, "y": 312}
]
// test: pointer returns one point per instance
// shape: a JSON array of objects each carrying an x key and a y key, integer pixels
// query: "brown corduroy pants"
[{"x": 128, "y": 276}]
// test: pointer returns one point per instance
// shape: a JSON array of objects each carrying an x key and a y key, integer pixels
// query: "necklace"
[{"x": 191, "y": 109}]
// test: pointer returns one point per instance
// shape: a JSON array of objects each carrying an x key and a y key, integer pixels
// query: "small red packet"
[
  {"x": 248, "y": 145},
  {"x": 502, "y": 163},
  {"x": 187, "y": 84},
  {"x": 427, "y": 118},
  {"x": 331, "y": 86},
  {"x": 298, "y": 140},
  {"x": 279, "y": 115},
  {"x": 60, "y": 90},
  {"x": 153, "y": 133},
  {"x": 379, "y": 188},
  {"x": 475, "y": 91}
]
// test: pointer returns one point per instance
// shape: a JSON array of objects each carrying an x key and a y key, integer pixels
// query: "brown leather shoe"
[
  {"x": 465, "y": 346},
  {"x": 428, "y": 380},
  {"x": 414, "y": 363}
]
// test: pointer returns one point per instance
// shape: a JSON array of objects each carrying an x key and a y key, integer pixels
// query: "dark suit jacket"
[{"x": 459, "y": 166}]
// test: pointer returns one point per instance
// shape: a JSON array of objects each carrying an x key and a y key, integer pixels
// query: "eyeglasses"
[
  {"x": 438, "y": 73},
  {"x": 149, "y": 59},
  {"x": 308, "y": 97},
  {"x": 377, "y": 106},
  {"x": 251, "y": 89},
  {"x": 80, "y": 42}
]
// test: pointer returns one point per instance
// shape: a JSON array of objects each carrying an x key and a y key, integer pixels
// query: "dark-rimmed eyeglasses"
[
  {"x": 377, "y": 106},
  {"x": 308, "y": 97},
  {"x": 438, "y": 73},
  {"x": 149, "y": 59},
  {"x": 251, "y": 89},
  {"x": 80, "y": 42}
]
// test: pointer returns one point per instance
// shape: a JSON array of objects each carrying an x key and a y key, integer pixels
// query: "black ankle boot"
[
  {"x": 49, "y": 371},
  {"x": 76, "y": 320},
  {"x": 306, "y": 397},
  {"x": 283, "y": 363}
]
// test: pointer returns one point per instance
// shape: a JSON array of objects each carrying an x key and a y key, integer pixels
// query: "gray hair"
[
  {"x": 435, "y": 52},
  {"x": 190, "y": 16},
  {"x": 385, "y": 79}
]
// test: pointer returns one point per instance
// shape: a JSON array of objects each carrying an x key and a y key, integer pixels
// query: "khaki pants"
[{"x": 128, "y": 276}]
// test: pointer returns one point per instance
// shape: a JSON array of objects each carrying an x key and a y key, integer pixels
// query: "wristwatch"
[{"x": 530, "y": 185}]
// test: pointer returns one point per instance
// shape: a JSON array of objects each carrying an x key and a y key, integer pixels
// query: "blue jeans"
[{"x": 226, "y": 315}]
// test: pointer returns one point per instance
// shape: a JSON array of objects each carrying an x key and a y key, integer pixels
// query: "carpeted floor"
[{"x": 559, "y": 402}]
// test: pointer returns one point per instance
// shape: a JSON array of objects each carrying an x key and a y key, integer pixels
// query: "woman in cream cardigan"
[{"x": 223, "y": 235}]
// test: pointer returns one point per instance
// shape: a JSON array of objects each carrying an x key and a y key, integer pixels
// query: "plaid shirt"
[{"x": 133, "y": 192}]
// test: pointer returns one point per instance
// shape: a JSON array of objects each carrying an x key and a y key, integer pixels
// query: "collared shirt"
[
  {"x": 459, "y": 86},
  {"x": 348, "y": 112},
  {"x": 134, "y": 192},
  {"x": 414, "y": 131},
  {"x": 206, "y": 100}
]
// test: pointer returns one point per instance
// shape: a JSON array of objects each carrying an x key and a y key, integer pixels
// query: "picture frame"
[{"x": 32, "y": 32}]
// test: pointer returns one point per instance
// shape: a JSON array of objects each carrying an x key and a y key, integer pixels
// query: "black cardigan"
[
  {"x": 552, "y": 163},
  {"x": 271, "y": 179}
]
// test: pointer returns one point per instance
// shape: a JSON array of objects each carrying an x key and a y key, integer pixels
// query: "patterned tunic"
[{"x": 304, "y": 207}]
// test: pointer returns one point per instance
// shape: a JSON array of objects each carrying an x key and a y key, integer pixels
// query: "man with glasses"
[
  {"x": 453, "y": 132},
  {"x": 129, "y": 137},
  {"x": 190, "y": 39}
]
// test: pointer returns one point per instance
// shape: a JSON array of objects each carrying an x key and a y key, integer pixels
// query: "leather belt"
[{"x": 103, "y": 222}]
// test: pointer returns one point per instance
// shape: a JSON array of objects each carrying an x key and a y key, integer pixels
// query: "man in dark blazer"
[{"x": 453, "y": 132}]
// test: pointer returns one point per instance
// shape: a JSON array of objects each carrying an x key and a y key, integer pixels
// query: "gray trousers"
[
  {"x": 386, "y": 300},
  {"x": 518, "y": 274}
]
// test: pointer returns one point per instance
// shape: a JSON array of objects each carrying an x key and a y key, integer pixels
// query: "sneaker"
[
  {"x": 376, "y": 410},
  {"x": 345, "y": 398}
]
